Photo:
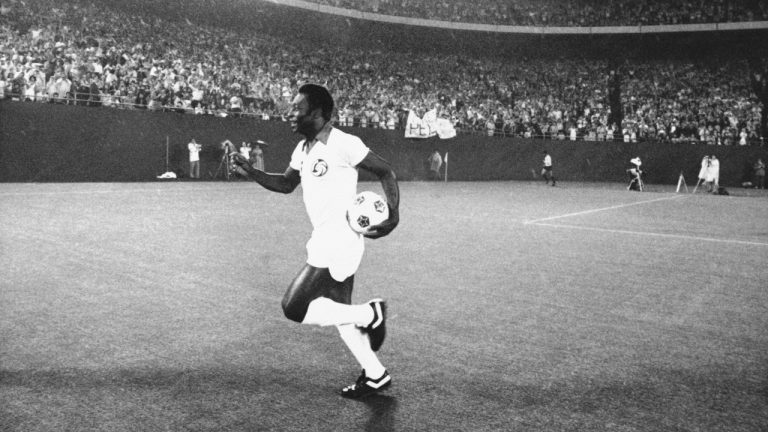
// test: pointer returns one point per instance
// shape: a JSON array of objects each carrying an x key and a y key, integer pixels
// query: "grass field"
[{"x": 513, "y": 306}]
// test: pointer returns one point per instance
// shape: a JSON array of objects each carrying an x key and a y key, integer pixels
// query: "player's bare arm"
[
  {"x": 283, "y": 183},
  {"x": 383, "y": 170}
]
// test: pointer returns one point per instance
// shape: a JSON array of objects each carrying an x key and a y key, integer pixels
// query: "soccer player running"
[{"x": 325, "y": 162}]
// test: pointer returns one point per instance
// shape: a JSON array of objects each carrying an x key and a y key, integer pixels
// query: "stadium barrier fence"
[
  {"x": 105, "y": 101},
  {"x": 48, "y": 142}
]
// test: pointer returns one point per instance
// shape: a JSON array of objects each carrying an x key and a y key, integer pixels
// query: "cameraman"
[
  {"x": 229, "y": 149},
  {"x": 194, "y": 159}
]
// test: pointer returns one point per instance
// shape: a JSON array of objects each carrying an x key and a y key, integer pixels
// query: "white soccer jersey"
[
  {"x": 329, "y": 183},
  {"x": 329, "y": 176}
]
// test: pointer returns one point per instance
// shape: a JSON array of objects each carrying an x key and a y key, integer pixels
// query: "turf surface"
[{"x": 514, "y": 306}]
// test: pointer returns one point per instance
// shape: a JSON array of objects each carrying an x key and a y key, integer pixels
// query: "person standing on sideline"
[
  {"x": 635, "y": 174},
  {"x": 326, "y": 164},
  {"x": 759, "y": 168},
  {"x": 435, "y": 163},
  {"x": 546, "y": 170},
  {"x": 713, "y": 174},
  {"x": 257, "y": 156},
  {"x": 704, "y": 170},
  {"x": 245, "y": 150},
  {"x": 194, "y": 159}
]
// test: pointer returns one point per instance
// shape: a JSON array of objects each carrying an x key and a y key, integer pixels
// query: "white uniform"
[
  {"x": 704, "y": 168},
  {"x": 329, "y": 183},
  {"x": 714, "y": 171}
]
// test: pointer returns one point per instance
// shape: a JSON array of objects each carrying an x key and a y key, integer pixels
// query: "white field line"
[
  {"x": 652, "y": 234},
  {"x": 536, "y": 221}
]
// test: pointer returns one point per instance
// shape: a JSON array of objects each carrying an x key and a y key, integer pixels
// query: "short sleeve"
[
  {"x": 354, "y": 151},
  {"x": 297, "y": 157}
]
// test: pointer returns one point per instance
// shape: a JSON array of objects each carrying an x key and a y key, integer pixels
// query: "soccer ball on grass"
[{"x": 367, "y": 209}]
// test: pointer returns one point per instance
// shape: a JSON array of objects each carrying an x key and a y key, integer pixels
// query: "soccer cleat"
[
  {"x": 365, "y": 386},
  {"x": 377, "y": 329}
]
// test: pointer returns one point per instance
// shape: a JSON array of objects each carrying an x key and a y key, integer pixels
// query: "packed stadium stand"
[
  {"x": 233, "y": 59},
  {"x": 565, "y": 13}
]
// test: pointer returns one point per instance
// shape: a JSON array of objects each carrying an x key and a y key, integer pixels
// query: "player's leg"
[
  {"x": 334, "y": 307},
  {"x": 306, "y": 301},
  {"x": 315, "y": 297},
  {"x": 374, "y": 376},
  {"x": 333, "y": 257}
]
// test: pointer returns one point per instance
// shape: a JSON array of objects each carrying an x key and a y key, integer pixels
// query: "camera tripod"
[{"x": 223, "y": 166}]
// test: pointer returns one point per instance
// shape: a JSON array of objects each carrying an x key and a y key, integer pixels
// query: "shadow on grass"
[
  {"x": 264, "y": 398},
  {"x": 382, "y": 413},
  {"x": 268, "y": 399},
  {"x": 153, "y": 398}
]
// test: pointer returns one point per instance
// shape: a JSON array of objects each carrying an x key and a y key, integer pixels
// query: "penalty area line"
[
  {"x": 652, "y": 234},
  {"x": 536, "y": 221}
]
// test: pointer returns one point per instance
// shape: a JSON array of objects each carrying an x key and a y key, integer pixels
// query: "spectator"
[
  {"x": 198, "y": 93},
  {"x": 245, "y": 150},
  {"x": 703, "y": 170},
  {"x": 235, "y": 105},
  {"x": 671, "y": 100},
  {"x": 29, "y": 88},
  {"x": 194, "y": 159},
  {"x": 759, "y": 169},
  {"x": 555, "y": 13},
  {"x": 257, "y": 157},
  {"x": 546, "y": 169},
  {"x": 435, "y": 162},
  {"x": 713, "y": 174},
  {"x": 3, "y": 86}
]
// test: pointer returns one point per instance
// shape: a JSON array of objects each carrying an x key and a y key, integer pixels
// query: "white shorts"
[{"x": 339, "y": 249}]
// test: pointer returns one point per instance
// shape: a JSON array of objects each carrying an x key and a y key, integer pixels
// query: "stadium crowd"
[
  {"x": 581, "y": 13},
  {"x": 84, "y": 54}
]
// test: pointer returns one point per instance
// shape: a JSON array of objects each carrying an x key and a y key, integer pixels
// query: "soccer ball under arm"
[{"x": 366, "y": 210}]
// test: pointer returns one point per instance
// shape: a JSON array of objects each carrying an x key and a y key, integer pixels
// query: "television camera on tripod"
[{"x": 226, "y": 167}]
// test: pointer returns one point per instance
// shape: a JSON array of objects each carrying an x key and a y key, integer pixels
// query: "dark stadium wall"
[{"x": 59, "y": 143}]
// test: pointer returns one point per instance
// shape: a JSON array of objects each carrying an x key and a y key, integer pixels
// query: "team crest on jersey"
[{"x": 319, "y": 168}]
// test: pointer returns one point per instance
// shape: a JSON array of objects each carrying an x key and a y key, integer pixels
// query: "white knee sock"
[
  {"x": 323, "y": 311},
  {"x": 358, "y": 344}
]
